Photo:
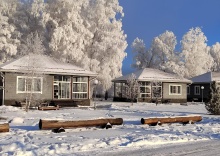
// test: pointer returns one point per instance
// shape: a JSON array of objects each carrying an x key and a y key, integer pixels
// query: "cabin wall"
[
  {"x": 10, "y": 89},
  {"x": 11, "y": 96},
  {"x": 175, "y": 98}
]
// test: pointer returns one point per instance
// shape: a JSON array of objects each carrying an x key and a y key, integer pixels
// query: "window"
[
  {"x": 145, "y": 89},
  {"x": 188, "y": 90},
  {"x": 197, "y": 90},
  {"x": 80, "y": 87},
  {"x": 175, "y": 89},
  {"x": 156, "y": 89},
  {"x": 62, "y": 87},
  {"x": 27, "y": 84}
]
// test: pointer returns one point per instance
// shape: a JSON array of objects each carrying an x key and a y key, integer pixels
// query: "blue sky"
[{"x": 147, "y": 19}]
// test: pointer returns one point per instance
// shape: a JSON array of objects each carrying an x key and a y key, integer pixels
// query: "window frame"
[
  {"x": 80, "y": 82},
  {"x": 59, "y": 81},
  {"x": 195, "y": 90},
  {"x": 145, "y": 84},
  {"x": 25, "y": 85},
  {"x": 188, "y": 90},
  {"x": 175, "y": 85}
]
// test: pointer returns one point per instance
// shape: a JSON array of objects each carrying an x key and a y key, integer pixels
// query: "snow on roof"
[
  {"x": 43, "y": 64},
  {"x": 150, "y": 74},
  {"x": 206, "y": 77}
]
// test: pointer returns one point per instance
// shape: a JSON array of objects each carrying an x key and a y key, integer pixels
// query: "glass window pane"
[
  {"x": 21, "y": 84},
  {"x": 65, "y": 90},
  {"x": 37, "y": 85}
]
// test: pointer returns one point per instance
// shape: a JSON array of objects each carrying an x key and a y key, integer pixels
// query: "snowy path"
[{"x": 203, "y": 148}]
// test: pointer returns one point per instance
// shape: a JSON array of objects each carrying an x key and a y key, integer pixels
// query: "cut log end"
[
  {"x": 142, "y": 121},
  {"x": 4, "y": 127},
  {"x": 40, "y": 124}
]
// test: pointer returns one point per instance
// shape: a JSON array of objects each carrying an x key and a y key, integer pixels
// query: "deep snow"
[{"x": 25, "y": 138}]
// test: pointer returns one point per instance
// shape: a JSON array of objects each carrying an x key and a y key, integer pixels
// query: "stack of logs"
[
  {"x": 175, "y": 119},
  {"x": 4, "y": 127}
]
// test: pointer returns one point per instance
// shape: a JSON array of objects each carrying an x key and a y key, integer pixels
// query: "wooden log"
[
  {"x": 49, "y": 108},
  {"x": 4, "y": 127},
  {"x": 51, "y": 124},
  {"x": 174, "y": 119}
]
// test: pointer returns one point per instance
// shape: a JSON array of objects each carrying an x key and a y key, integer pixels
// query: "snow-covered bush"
[{"x": 132, "y": 88}]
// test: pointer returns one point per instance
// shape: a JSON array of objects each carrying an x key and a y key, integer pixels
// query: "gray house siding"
[
  {"x": 167, "y": 97},
  {"x": 10, "y": 89},
  {"x": 11, "y": 96}
]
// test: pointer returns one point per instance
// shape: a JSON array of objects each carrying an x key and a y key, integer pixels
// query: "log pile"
[
  {"x": 4, "y": 127},
  {"x": 175, "y": 119},
  {"x": 52, "y": 124}
]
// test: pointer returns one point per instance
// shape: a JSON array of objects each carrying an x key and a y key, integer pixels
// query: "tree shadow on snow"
[{"x": 27, "y": 128}]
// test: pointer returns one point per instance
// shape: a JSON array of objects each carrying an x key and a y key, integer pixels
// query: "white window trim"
[
  {"x": 145, "y": 86},
  {"x": 57, "y": 82},
  {"x": 195, "y": 90},
  {"x": 41, "y": 80},
  {"x": 80, "y": 82},
  {"x": 175, "y": 93}
]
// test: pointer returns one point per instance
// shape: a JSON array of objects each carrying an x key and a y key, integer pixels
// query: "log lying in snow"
[
  {"x": 51, "y": 124},
  {"x": 4, "y": 127},
  {"x": 174, "y": 119}
]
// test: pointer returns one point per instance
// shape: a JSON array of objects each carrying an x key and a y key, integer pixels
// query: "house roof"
[
  {"x": 43, "y": 64},
  {"x": 207, "y": 77},
  {"x": 150, "y": 74}
]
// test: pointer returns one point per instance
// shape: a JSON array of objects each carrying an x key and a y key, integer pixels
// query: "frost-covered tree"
[
  {"x": 213, "y": 103},
  {"x": 195, "y": 53},
  {"x": 215, "y": 53},
  {"x": 160, "y": 55},
  {"x": 33, "y": 47},
  {"x": 163, "y": 46},
  {"x": 132, "y": 88},
  {"x": 33, "y": 44},
  {"x": 90, "y": 35},
  {"x": 144, "y": 58},
  {"x": 8, "y": 40}
]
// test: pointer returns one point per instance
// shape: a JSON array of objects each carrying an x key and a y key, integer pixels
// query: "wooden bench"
[{"x": 45, "y": 106}]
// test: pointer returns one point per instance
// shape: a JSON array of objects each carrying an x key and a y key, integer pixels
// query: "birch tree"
[
  {"x": 195, "y": 53},
  {"x": 33, "y": 47},
  {"x": 144, "y": 58}
]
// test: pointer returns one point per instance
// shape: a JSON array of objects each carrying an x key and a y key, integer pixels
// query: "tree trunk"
[
  {"x": 4, "y": 127},
  {"x": 51, "y": 124},
  {"x": 177, "y": 119}
]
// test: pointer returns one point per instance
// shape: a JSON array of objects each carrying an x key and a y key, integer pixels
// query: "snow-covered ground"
[{"x": 25, "y": 138}]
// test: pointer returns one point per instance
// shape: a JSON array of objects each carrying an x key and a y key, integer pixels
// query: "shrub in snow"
[
  {"x": 213, "y": 103},
  {"x": 132, "y": 88}
]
